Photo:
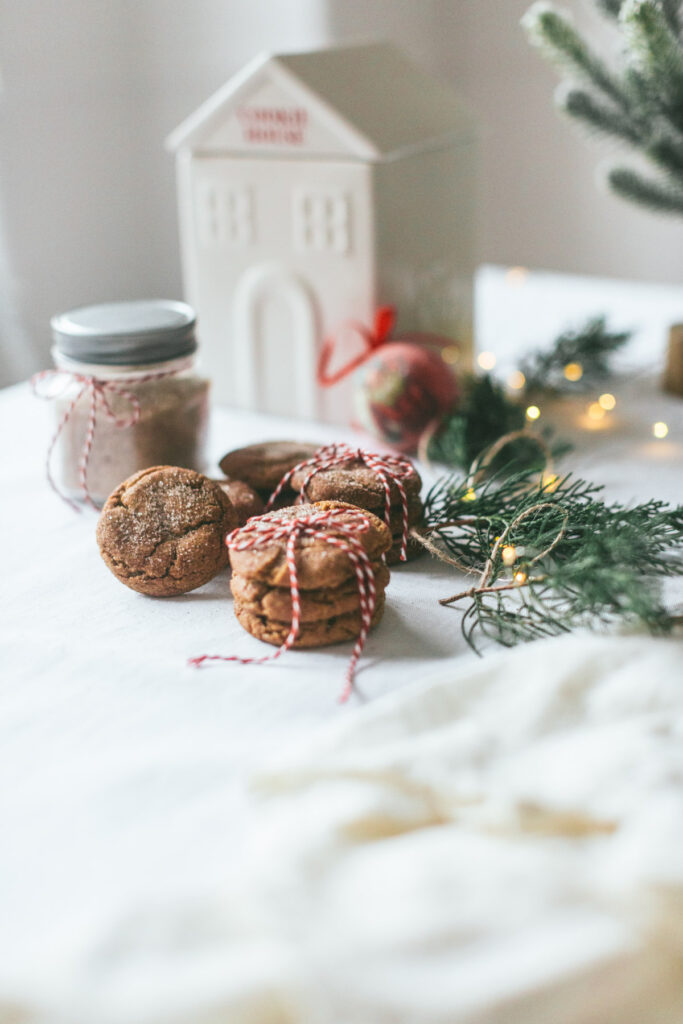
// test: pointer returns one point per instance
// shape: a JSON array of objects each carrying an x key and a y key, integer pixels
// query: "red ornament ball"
[{"x": 401, "y": 390}]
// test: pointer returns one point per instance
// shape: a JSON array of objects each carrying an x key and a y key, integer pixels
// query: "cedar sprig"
[
  {"x": 578, "y": 561},
  {"x": 591, "y": 346}
]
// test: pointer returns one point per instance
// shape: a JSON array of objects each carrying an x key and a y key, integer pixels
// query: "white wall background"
[{"x": 92, "y": 87}]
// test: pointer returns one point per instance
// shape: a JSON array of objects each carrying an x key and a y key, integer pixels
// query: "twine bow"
[
  {"x": 389, "y": 468},
  {"x": 371, "y": 337},
  {"x": 264, "y": 530},
  {"x": 101, "y": 393}
]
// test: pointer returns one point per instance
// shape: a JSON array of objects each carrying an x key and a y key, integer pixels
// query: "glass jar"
[{"x": 132, "y": 397}]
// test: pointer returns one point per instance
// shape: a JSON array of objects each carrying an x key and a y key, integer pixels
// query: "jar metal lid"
[{"x": 126, "y": 333}]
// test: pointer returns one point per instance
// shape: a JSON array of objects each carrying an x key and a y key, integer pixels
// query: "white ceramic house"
[{"x": 314, "y": 187}]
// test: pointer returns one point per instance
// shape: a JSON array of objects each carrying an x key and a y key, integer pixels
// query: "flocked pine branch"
[
  {"x": 639, "y": 101},
  {"x": 547, "y": 557}
]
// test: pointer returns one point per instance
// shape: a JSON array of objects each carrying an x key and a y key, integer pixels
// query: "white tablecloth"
[{"x": 124, "y": 809}]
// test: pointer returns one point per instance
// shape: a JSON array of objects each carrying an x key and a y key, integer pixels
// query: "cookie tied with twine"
[
  {"x": 306, "y": 547},
  {"x": 378, "y": 483}
]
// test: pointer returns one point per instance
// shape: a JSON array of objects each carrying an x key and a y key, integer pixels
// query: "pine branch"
[
  {"x": 554, "y": 557},
  {"x": 656, "y": 52},
  {"x": 559, "y": 40},
  {"x": 610, "y": 7},
  {"x": 641, "y": 104},
  {"x": 606, "y": 119},
  {"x": 631, "y": 185},
  {"x": 484, "y": 414},
  {"x": 667, "y": 152},
  {"x": 590, "y": 347}
]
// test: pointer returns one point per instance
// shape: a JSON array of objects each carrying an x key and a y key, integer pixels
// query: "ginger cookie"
[
  {"x": 355, "y": 482},
  {"x": 263, "y": 465},
  {"x": 319, "y": 633},
  {"x": 319, "y": 563},
  {"x": 162, "y": 531},
  {"x": 245, "y": 500},
  {"x": 275, "y": 603}
]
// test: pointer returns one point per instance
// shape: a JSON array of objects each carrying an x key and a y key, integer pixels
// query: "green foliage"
[
  {"x": 605, "y": 563},
  {"x": 639, "y": 102},
  {"x": 590, "y": 346},
  {"x": 484, "y": 414}
]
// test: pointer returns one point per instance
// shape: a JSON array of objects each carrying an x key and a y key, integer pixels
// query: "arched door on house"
[{"x": 275, "y": 342}]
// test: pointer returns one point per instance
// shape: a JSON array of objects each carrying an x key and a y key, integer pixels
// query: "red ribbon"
[
  {"x": 372, "y": 338},
  {"x": 264, "y": 530}
]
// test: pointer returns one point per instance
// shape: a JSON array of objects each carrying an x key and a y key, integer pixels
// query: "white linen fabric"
[{"x": 464, "y": 841}]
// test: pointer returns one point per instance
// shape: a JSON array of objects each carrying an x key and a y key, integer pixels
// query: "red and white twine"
[
  {"x": 389, "y": 468},
  {"x": 100, "y": 394},
  {"x": 339, "y": 527}
]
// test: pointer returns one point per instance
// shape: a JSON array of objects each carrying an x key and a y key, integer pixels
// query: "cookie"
[
  {"x": 162, "y": 531},
  {"x": 319, "y": 563},
  {"x": 354, "y": 482},
  {"x": 275, "y": 603},
  {"x": 245, "y": 501},
  {"x": 311, "y": 634},
  {"x": 262, "y": 466}
]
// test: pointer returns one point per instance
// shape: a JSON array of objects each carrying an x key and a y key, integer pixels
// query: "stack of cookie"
[
  {"x": 354, "y": 482},
  {"x": 262, "y": 466},
  {"x": 329, "y": 606}
]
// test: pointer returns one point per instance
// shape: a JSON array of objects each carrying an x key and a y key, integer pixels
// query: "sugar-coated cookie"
[
  {"x": 356, "y": 483},
  {"x": 162, "y": 531},
  {"x": 319, "y": 563}
]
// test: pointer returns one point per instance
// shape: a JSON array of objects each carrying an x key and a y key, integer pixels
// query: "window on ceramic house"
[
  {"x": 322, "y": 221},
  {"x": 225, "y": 215}
]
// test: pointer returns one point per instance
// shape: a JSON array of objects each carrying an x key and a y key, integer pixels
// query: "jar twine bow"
[
  {"x": 389, "y": 468},
  {"x": 371, "y": 337},
  {"x": 264, "y": 530},
  {"x": 100, "y": 392}
]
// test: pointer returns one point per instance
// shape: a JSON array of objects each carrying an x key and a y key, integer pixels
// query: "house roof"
[{"x": 366, "y": 102}]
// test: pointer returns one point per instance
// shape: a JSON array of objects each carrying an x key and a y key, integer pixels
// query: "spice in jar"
[{"x": 131, "y": 396}]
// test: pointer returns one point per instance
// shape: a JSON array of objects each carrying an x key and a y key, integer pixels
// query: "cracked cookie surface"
[
  {"x": 356, "y": 483},
  {"x": 319, "y": 563},
  {"x": 161, "y": 532}
]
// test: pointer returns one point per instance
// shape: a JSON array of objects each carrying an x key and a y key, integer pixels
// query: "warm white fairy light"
[
  {"x": 470, "y": 494},
  {"x": 486, "y": 360},
  {"x": 595, "y": 412},
  {"x": 607, "y": 401},
  {"x": 660, "y": 429},
  {"x": 550, "y": 482},
  {"x": 520, "y": 577},
  {"x": 573, "y": 371},
  {"x": 516, "y": 380},
  {"x": 533, "y": 412},
  {"x": 509, "y": 554}
]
